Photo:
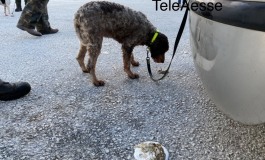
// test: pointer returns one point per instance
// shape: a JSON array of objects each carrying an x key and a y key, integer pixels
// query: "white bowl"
[{"x": 150, "y": 150}]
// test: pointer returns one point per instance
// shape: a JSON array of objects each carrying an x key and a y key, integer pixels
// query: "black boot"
[
  {"x": 12, "y": 91},
  {"x": 30, "y": 31},
  {"x": 18, "y": 4},
  {"x": 48, "y": 31}
]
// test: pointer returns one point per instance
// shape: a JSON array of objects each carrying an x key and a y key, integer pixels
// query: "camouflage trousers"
[
  {"x": 35, "y": 15},
  {"x": 18, "y": 2}
]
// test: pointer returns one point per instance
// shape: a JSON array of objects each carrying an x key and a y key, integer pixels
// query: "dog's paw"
[
  {"x": 99, "y": 83},
  {"x": 86, "y": 70},
  {"x": 135, "y": 63},
  {"x": 134, "y": 76}
]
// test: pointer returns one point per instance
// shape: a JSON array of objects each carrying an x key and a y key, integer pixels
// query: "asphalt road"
[{"x": 66, "y": 117}]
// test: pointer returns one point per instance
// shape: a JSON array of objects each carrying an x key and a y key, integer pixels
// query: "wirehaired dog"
[
  {"x": 98, "y": 19},
  {"x": 6, "y": 4}
]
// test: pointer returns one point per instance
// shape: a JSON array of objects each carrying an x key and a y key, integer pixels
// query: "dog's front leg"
[
  {"x": 127, "y": 55},
  {"x": 134, "y": 62}
]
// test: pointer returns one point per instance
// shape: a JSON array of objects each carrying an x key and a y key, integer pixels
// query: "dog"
[
  {"x": 6, "y": 4},
  {"x": 97, "y": 19}
]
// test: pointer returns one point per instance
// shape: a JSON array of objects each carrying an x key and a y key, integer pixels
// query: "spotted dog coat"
[{"x": 98, "y": 19}]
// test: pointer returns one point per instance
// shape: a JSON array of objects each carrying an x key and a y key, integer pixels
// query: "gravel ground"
[{"x": 66, "y": 117}]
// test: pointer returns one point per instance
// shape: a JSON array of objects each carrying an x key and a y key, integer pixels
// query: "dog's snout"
[{"x": 159, "y": 59}]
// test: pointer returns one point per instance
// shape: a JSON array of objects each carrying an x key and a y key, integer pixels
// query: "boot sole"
[{"x": 36, "y": 33}]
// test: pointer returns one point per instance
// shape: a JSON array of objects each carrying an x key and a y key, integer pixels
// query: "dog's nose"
[{"x": 159, "y": 59}]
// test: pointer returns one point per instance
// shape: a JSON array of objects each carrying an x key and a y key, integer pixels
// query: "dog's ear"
[{"x": 160, "y": 46}]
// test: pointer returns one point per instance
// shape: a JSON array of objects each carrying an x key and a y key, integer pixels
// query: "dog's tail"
[{"x": 77, "y": 25}]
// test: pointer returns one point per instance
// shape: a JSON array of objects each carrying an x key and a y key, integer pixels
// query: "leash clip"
[
  {"x": 147, "y": 56},
  {"x": 147, "y": 52}
]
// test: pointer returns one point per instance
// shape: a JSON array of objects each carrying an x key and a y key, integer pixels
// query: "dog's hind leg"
[
  {"x": 5, "y": 10},
  {"x": 127, "y": 56},
  {"x": 8, "y": 10},
  {"x": 133, "y": 62},
  {"x": 81, "y": 56},
  {"x": 94, "y": 51}
]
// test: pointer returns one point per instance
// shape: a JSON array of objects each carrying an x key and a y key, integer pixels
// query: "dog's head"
[{"x": 159, "y": 47}]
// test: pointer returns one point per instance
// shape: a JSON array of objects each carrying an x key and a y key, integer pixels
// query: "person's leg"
[
  {"x": 18, "y": 4},
  {"x": 30, "y": 16},
  {"x": 43, "y": 25},
  {"x": 11, "y": 91}
]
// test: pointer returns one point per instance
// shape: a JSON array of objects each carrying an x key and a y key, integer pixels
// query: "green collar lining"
[{"x": 155, "y": 36}]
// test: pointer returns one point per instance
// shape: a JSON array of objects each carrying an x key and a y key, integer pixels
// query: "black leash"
[{"x": 181, "y": 29}]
